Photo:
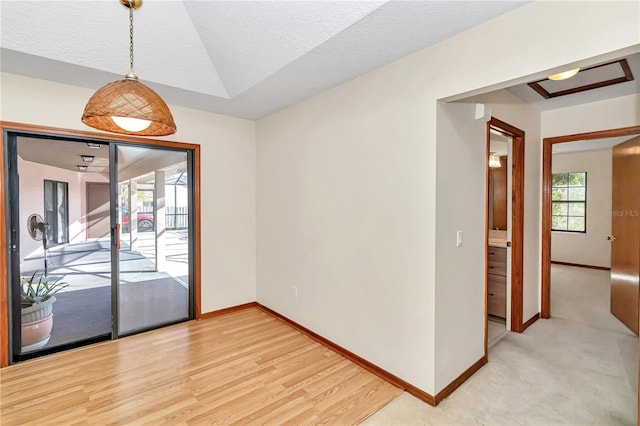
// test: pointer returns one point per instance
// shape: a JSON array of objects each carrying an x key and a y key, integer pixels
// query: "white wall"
[
  {"x": 604, "y": 115},
  {"x": 461, "y": 165},
  {"x": 341, "y": 199},
  {"x": 460, "y": 205},
  {"x": 227, "y": 177},
  {"x": 347, "y": 188},
  {"x": 591, "y": 248}
]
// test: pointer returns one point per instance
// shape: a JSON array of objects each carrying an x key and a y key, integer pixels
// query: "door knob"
[{"x": 611, "y": 238}]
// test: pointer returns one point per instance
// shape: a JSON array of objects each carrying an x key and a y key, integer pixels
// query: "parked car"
[{"x": 145, "y": 220}]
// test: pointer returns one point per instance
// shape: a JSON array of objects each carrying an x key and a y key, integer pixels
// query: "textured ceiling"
[{"x": 242, "y": 58}]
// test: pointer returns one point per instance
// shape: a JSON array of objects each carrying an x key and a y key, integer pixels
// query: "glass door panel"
[
  {"x": 153, "y": 205},
  {"x": 56, "y": 243}
]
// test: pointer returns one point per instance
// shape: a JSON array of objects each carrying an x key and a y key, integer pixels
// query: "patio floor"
[
  {"x": 84, "y": 314},
  {"x": 147, "y": 297}
]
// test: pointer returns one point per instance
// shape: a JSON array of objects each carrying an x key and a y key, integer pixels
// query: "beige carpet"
[
  {"x": 571, "y": 369},
  {"x": 582, "y": 295}
]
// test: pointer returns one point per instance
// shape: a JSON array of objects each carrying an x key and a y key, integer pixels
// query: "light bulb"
[
  {"x": 564, "y": 75},
  {"x": 494, "y": 160},
  {"x": 131, "y": 124}
]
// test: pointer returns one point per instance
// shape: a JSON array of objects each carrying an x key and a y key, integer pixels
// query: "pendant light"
[{"x": 128, "y": 106}]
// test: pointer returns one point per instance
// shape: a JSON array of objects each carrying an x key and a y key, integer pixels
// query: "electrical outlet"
[{"x": 294, "y": 292}]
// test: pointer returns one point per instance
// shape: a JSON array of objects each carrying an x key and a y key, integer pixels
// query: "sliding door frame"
[
  {"x": 114, "y": 191},
  {"x": 114, "y": 241},
  {"x": 8, "y": 130}
]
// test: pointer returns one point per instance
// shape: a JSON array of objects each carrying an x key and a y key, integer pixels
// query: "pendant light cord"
[{"x": 131, "y": 75}]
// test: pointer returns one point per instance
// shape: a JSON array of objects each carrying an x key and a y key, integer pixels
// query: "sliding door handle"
[
  {"x": 14, "y": 241},
  {"x": 115, "y": 236}
]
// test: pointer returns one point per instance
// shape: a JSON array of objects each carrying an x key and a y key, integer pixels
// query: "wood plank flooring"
[{"x": 245, "y": 367}]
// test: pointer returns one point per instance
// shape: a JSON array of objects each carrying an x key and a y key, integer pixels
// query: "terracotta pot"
[{"x": 37, "y": 331}]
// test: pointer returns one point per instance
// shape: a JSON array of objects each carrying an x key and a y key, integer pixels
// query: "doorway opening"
[
  {"x": 504, "y": 231},
  {"x": 498, "y": 264},
  {"x": 121, "y": 216},
  {"x": 624, "y": 292}
]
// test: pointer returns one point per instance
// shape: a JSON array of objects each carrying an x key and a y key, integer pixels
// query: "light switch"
[{"x": 459, "y": 239}]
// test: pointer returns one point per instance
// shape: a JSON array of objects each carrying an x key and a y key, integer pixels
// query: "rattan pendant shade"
[
  {"x": 128, "y": 106},
  {"x": 128, "y": 98}
]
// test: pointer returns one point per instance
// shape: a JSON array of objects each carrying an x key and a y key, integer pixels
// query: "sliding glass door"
[
  {"x": 153, "y": 218},
  {"x": 61, "y": 258},
  {"x": 110, "y": 226}
]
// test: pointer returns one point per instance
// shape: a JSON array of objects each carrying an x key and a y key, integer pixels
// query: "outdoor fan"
[{"x": 38, "y": 231}]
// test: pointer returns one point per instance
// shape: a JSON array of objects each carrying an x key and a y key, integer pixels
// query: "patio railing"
[{"x": 175, "y": 217}]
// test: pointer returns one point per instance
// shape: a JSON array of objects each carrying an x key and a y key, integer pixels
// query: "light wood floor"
[{"x": 244, "y": 367}]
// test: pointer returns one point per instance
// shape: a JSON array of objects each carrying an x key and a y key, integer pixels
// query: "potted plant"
[{"x": 37, "y": 297}]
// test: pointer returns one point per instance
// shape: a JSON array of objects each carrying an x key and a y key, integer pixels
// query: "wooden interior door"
[{"x": 625, "y": 229}]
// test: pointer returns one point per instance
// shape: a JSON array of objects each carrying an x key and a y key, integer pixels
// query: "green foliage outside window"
[{"x": 569, "y": 202}]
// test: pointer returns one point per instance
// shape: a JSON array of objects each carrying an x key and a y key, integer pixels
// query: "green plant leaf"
[{"x": 39, "y": 291}]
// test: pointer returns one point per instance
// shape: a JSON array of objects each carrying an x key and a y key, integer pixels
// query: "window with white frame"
[{"x": 569, "y": 202}]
